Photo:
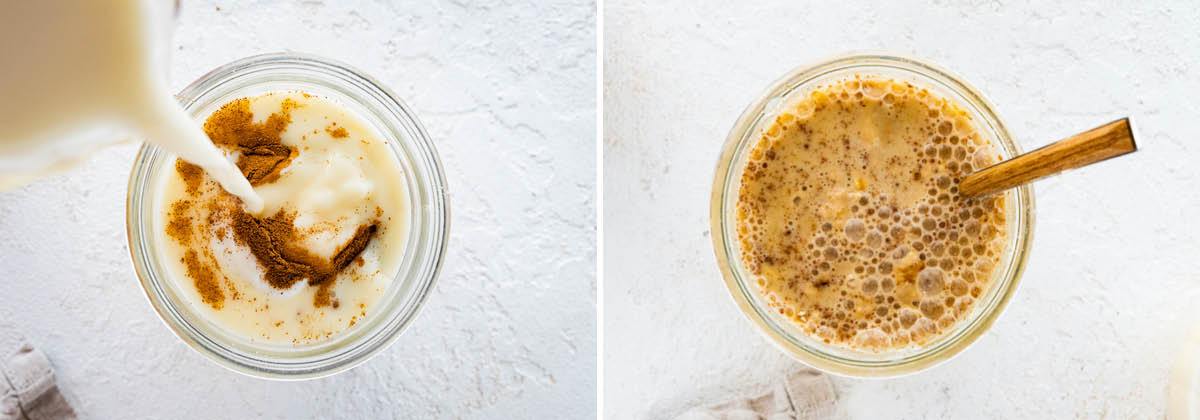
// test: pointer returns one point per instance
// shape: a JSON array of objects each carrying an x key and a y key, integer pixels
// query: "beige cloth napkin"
[
  {"x": 27, "y": 387},
  {"x": 804, "y": 395}
]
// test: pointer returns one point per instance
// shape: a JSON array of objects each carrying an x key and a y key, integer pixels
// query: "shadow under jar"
[
  {"x": 424, "y": 242},
  {"x": 782, "y": 328}
]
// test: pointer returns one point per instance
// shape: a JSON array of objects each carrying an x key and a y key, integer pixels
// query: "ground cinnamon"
[
  {"x": 337, "y": 133},
  {"x": 179, "y": 223},
  {"x": 324, "y": 297},
  {"x": 351, "y": 250},
  {"x": 263, "y": 154},
  {"x": 205, "y": 280},
  {"x": 272, "y": 241},
  {"x": 192, "y": 176}
]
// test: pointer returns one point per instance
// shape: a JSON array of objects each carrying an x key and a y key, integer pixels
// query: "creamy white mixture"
[{"x": 333, "y": 185}]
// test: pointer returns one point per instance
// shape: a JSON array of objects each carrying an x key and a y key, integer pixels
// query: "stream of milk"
[{"x": 79, "y": 75}]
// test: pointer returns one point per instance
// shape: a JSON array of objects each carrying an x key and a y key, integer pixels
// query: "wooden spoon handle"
[{"x": 1100, "y": 143}]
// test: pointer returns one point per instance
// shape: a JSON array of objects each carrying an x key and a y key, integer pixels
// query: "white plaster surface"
[
  {"x": 1114, "y": 268},
  {"x": 507, "y": 92}
]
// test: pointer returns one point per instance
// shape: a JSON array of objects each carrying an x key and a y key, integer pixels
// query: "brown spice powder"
[
  {"x": 353, "y": 247},
  {"x": 324, "y": 297},
  {"x": 179, "y": 224},
  {"x": 269, "y": 241},
  {"x": 263, "y": 154},
  {"x": 337, "y": 133},
  {"x": 205, "y": 280},
  {"x": 192, "y": 176},
  {"x": 272, "y": 241}
]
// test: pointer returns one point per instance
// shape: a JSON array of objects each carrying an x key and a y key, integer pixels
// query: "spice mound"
[{"x": 272, "y": 241}]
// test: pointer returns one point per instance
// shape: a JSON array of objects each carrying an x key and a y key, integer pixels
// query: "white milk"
[
  {"x": 337, "y": 183},
  {"x": 79, "y": 75}
]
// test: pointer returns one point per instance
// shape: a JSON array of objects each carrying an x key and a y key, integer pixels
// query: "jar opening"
[
  {"x": 1019, "y": 208},
  {"x": 424, "y": 246}
]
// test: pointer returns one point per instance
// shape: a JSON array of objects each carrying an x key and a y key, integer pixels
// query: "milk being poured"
[{"x": 79, "y": 75}]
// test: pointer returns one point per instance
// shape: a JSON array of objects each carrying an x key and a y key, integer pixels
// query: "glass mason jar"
[
  {"x": 782, "y": 331},
  {"x": 424, "y": 248}
]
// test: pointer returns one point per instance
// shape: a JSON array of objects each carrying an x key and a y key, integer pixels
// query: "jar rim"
[
  {"x": 831, "y": 358},
  {"x": 427, "y": 236}
]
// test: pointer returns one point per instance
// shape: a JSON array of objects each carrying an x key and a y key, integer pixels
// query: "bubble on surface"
[
  {"x": 870, "y": 287},
  {"x": 831, "y": 253},
  {"x": 871, "y": 338},
  {"x": 887, "y": 285},
  {"x": 931, "y": 280},
  {"x": 855, "y": 230},
  {"x": 928, "y": 225},
  {"x": 946, "y": 321},
  {"x": 945, "y": 128},
  {"x": 908, "y": 317},
  {"x": 931, "y": 308},
  {"x": 874, "y": 239},
  {"x": 958, "y": 287}
]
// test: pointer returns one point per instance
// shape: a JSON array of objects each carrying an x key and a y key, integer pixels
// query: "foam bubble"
[
  {"x": 930, "y": 280},
  {"x": 885, "y": 267},
  {"x": 928, "y": 224},
  {"x": 971, "y": 227},
  {"x": 872, "y": 90},
  {"x": 946, "y": 321},
  {"x": 983, "y": 266},
  {"x": 923, "y": 327},
  {"x": 874, "y": 239},
  {"x": 831, "y": 253},
  {"x": 908, "y": 317},
  {"x": 885, "y": 212},
  {"x": 870, "y": 287},
  {"x": 931, "y": 308},
  {"x": 871, "y": 338},
  {"x": 943, "y": 182},
  {"x": 855, "y": 229},
  {"x": 887, "y": 285}
]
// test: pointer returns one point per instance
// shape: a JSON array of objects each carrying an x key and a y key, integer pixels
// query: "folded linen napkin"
[
  {"x": 27, "y": 387},
  {"x": 804, "y": 395}
]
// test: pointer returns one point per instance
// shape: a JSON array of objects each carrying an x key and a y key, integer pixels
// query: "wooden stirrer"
[{"x": 1100, "y": 143}]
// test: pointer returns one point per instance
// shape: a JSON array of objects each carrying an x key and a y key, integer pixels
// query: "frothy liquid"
[
  {"x": 325, "y": 174},
  {"x": 849, "y": 216}
]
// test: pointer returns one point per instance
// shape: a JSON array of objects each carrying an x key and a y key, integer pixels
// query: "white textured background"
[
  {"x": 507, "y": 91},
  {"x": 1115, "y": 261}
]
